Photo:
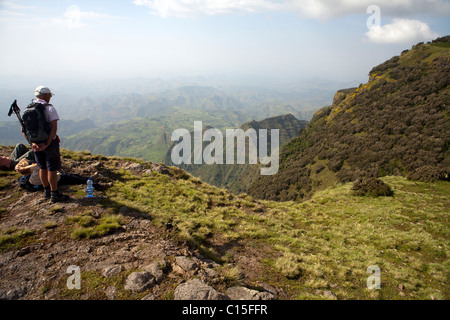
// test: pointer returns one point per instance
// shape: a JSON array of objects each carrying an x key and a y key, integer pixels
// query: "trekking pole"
[{"x": 15, "y": 108}]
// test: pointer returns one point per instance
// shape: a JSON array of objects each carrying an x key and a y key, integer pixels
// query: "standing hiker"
[{"x": 44, "y": 141}]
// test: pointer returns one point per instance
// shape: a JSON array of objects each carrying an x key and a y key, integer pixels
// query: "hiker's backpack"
[
  {"x": 36, "y": 127},
  {"x": 24, "y": 182}
]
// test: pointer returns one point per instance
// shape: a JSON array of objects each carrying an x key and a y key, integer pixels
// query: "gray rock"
[
  {"x": 242, "y": 293},
  {"x": 183, "y": 265},
  {"x": 161, "y": 169},
  {"x": 13, "y": 294},
  {"x": 135, "y": 167},
  {"x": 96, "y": 166},
  {"x": 139, "y": 281},
  {"x": 209, "y": 275},
  {"x": 270, "y": 289},
  {"x": 156, "y": 271},
  {"x": 111, "y": 271},
  {"x": 195, "y": 289},
  {"x": 266, "y": 296}
]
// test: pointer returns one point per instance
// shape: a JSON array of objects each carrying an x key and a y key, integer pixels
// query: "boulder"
[
  {"x": 156, "y": 270},
  {"x": 111, "y": 271},
  {"x": 134, "y": 167},
  {"x": 195, "y": 289},
  {"x": 243, "y": 293},
  {"x": 139, "y": 281},
  {"x": 184, "y": 265}
]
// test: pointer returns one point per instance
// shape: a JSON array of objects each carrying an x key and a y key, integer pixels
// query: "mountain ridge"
[
  {"x": 394, "y": 124},
  {"x": 236, "y": 177}
]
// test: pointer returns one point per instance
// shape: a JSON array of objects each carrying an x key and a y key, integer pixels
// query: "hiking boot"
[
  {"x": 47, "y": 193},
  {"x": 57, "y": 196}
]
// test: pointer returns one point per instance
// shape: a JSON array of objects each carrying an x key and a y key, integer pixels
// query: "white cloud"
[
  {"x": 316, "y": 9},
  {"x": 194, "y": 8},
  {"x": 328, "y": 9},
  {"x": 74, "y": 18},
  {"x": 401, "y": 31}
]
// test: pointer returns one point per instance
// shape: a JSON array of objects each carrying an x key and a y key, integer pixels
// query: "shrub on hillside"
[
  {"x": 430, "y": 174},
  {"x": 347, "y": 175},
  {"x": 372, "y": 187},
  {"x": 335, "y": 164}
]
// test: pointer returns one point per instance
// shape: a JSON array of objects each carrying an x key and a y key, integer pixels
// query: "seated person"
[
  {"x": 20, "y": 152},
  {"x": 24, "y": 168},
  {"x": 31, "y": 170}
]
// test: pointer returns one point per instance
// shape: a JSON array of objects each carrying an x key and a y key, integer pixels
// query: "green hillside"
[
  {"x": 236, "y": 177},
  {"x": 395, "y": 124},
  {"x": 147, "y": 138},
  {"x": 327, "y": 242},
  {"x": 318, "y": 249}
]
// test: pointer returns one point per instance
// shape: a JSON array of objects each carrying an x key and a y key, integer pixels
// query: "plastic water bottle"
[{"x": 90, "y": 188}]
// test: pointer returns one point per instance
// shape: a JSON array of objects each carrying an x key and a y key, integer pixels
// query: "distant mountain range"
[
  {"x": 138, "y": 124},
  {"x": 10, "y": 131},
  {"x": 395, "y": 124},
  {"x": 249, "y": 103},
  {"x": 141, "y": 125}
]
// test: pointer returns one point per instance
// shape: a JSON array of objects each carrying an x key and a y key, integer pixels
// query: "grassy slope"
[
  {"x": 335, "y": 236},
  {"x": 325, "y": 243}
]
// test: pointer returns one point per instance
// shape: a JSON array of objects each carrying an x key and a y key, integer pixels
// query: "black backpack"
[{"x": 36, "y": 127}]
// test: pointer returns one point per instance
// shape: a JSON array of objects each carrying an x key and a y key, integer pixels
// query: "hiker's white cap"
[{"x": 42, "y": 90}]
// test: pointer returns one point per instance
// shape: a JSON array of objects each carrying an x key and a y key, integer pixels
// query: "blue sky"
[{"x": 278, "y": 39}]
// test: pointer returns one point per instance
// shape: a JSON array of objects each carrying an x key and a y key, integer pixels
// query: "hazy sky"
[{"x": 99, "y": 39}]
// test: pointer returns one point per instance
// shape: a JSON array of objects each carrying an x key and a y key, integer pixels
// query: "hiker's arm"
[
  {"x": 26, "y": 169},
  {"x": 43, "y": 146},
  {"x": 52, "y": 132},
  {"x": 34, "y": 146}
]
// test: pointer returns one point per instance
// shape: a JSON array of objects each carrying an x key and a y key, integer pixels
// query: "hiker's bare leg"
[
  {"x": 49, "y": 178},
  {"x": 53, "y": 180},
  {"x": 43, "y": 175}
]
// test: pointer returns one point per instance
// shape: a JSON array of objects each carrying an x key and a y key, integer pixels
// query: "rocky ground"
[{"x": 139, "y": 260}]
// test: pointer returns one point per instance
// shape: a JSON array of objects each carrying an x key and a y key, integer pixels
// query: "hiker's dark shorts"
[{"x": 50, "y": 158}]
